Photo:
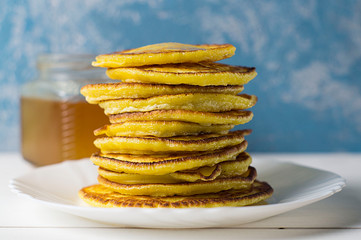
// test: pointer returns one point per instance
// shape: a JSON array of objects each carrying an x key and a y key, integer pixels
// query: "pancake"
[
  {"x": 207, "y": 173},
  {"x": 200, "y": 74},
  {"x": 95, "y": 93},
  {"x": 144, "y": 145},
  {"x": 163, "y": 53},
  {"x": 100, "y": 196},
  {"x": 203, "y": 118},
  {"x": 183, "y": 188},
  {"x": 131, "y": 178},
  {"x": 160, "y": 129},
  {"x": 206, "y": 102},
  {"x": 168, "y": 163}
]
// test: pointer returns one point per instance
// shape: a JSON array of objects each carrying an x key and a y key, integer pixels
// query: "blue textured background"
[{"x": 307, "y": 54}]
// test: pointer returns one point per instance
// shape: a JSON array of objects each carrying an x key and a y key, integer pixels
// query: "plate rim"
[{"x": 338, "y": 183}]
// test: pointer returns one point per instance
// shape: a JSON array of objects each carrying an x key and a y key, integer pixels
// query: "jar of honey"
[{"x": 56, "y": 122}]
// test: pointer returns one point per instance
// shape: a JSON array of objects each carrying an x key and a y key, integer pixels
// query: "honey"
[
  {"x": 54, "y": 131},
  {"x": 57, "y": 123}
]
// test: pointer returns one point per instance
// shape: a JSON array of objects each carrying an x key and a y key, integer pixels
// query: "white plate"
[{"x": 294, "y": 186}]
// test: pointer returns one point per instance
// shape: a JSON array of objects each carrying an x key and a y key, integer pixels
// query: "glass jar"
[{"x": 57, "y": 123}]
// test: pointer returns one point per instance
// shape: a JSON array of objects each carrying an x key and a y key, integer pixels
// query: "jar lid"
[{"x": 65, "y": 62}]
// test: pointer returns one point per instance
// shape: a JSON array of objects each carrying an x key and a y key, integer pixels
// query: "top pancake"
[{"x": 164, "y": 53}]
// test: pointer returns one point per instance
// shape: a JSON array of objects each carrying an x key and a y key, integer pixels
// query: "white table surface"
[{"x": 337, "y": 217}]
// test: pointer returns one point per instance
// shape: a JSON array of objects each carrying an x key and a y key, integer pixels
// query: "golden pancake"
[
  {"x": 165, "y": 164},
  {"x": 206, "y": 102},
  {"x": 100, "y": 196},
  {"x": 208, "y": 173},
  {"x": 159, "y": 129},
  {"x": 203, "y": 118},
  {"x": 131, "y": 178},
  {"x": 163, "y": 53},
  {"x": 144, "y": 145},
  {"x": 95, "y": 93},
  {"x": 183, "y": 188},
  {"x": 200, "y": 74}
]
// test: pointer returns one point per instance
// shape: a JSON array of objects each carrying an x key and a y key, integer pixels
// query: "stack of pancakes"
[{"x": 169, "y": 142}]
